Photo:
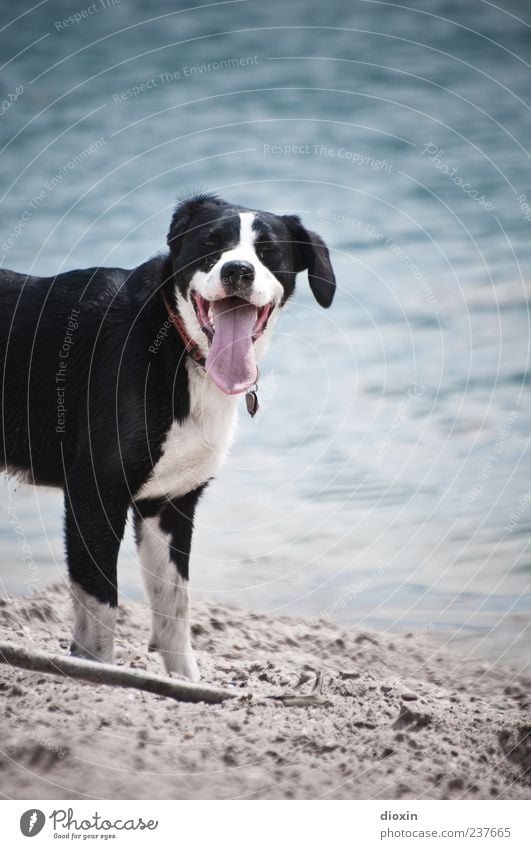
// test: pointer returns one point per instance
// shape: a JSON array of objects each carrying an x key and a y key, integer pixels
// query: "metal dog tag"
[{"x": 251, "y": 400}]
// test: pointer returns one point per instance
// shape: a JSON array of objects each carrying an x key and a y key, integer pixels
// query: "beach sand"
[{"x": 402, "y": 718}]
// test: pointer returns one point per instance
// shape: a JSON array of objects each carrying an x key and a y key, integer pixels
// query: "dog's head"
[{"x": 233, "y": 270}]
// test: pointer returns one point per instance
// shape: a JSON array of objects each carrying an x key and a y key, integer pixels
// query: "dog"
[{"x": 121, "y": 387}]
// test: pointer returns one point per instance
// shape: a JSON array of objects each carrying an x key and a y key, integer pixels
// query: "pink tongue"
[{"x": 231, "y": 363}]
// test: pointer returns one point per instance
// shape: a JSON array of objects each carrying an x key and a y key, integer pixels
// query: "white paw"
[
  {"x": 181, "y": 663},
  {"x": 102, "y": 656}
]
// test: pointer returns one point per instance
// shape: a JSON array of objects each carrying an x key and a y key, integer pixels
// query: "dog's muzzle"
[{"x": 237, "y": 277}]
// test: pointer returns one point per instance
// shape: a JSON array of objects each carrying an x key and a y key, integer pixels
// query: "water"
[{"x": 385, "y": 481}]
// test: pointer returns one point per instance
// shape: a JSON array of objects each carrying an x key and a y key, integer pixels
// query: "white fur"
[
  {"x": 194, "y": 451},
  {"x": 266, "y": 288},
  {"x": 94, "y": 625},
  {"x": 170, "y": 601}
]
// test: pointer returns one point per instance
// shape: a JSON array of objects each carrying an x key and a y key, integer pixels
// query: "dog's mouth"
[
  {"x": 231, "y": 325},
  {"x": 207, "y": 311}
]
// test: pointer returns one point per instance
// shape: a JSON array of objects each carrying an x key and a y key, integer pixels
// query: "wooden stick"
[{"x": 117, "y": 676}]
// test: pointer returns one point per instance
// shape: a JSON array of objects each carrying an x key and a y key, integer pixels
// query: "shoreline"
[{"x": 402, "y": 717}]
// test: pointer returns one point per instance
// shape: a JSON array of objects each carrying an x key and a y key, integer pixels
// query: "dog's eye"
[
  {"x": 209, "y": 253},
  {"x": 265, "y": 251}
]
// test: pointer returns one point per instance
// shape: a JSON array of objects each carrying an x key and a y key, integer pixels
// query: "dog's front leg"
[
  {"x": 164, "y": 536},
  {"x": 94, "y": 525}
]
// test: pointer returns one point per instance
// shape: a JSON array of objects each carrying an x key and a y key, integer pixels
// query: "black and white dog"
[{"x": 121, "y": 387}]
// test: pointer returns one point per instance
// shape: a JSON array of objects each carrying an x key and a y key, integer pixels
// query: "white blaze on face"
[
  {"x": 231, "y": 357},
  {"x": 265, "y": 288}
]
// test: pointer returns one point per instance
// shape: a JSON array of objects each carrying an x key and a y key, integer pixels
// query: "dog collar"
[
  {"x": 191, "y": 346},
  {"x": 194, "y": 351}
]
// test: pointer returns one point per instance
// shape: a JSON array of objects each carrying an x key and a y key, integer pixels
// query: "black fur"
[
  {"x": 87, "y": 400},
  {"x": 176, "y": 518}
]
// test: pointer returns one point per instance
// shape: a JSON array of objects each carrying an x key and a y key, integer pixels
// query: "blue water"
[{"x": 386, "y": 480}]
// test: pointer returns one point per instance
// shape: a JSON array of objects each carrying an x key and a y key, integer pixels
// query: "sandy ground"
[{"x": 401, "y": 718}]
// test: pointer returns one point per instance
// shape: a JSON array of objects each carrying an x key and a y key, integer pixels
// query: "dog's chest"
[{"x": 194, "y": 450}]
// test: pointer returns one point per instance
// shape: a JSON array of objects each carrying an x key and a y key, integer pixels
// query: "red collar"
[{"x": 191, "y": 346}]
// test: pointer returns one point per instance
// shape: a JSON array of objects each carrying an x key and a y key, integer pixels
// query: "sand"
[{"x": 400, "y": 718}]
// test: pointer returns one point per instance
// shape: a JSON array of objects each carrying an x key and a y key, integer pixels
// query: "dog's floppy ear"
[
  {"x": 311, "y": 252},
  {"x": 181, "y": 222}
]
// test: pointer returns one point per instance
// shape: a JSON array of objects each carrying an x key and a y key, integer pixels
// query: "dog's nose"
[{"x": 237, "y": 274}]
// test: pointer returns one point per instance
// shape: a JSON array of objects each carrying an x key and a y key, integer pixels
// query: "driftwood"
[
  {"x": 314, "y": 698},
  {"x": 117, "y": 676}
]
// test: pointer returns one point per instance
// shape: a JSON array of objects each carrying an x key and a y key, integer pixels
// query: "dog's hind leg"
[
  {"x": 94, "y": 527},
  {"x": 164, "y": 534}
]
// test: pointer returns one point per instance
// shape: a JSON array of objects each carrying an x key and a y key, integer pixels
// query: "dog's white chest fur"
[{"x": 194, "y": 450}]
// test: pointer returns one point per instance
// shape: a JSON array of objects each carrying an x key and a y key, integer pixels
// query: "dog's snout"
[{"x": 237, "y": 274}]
